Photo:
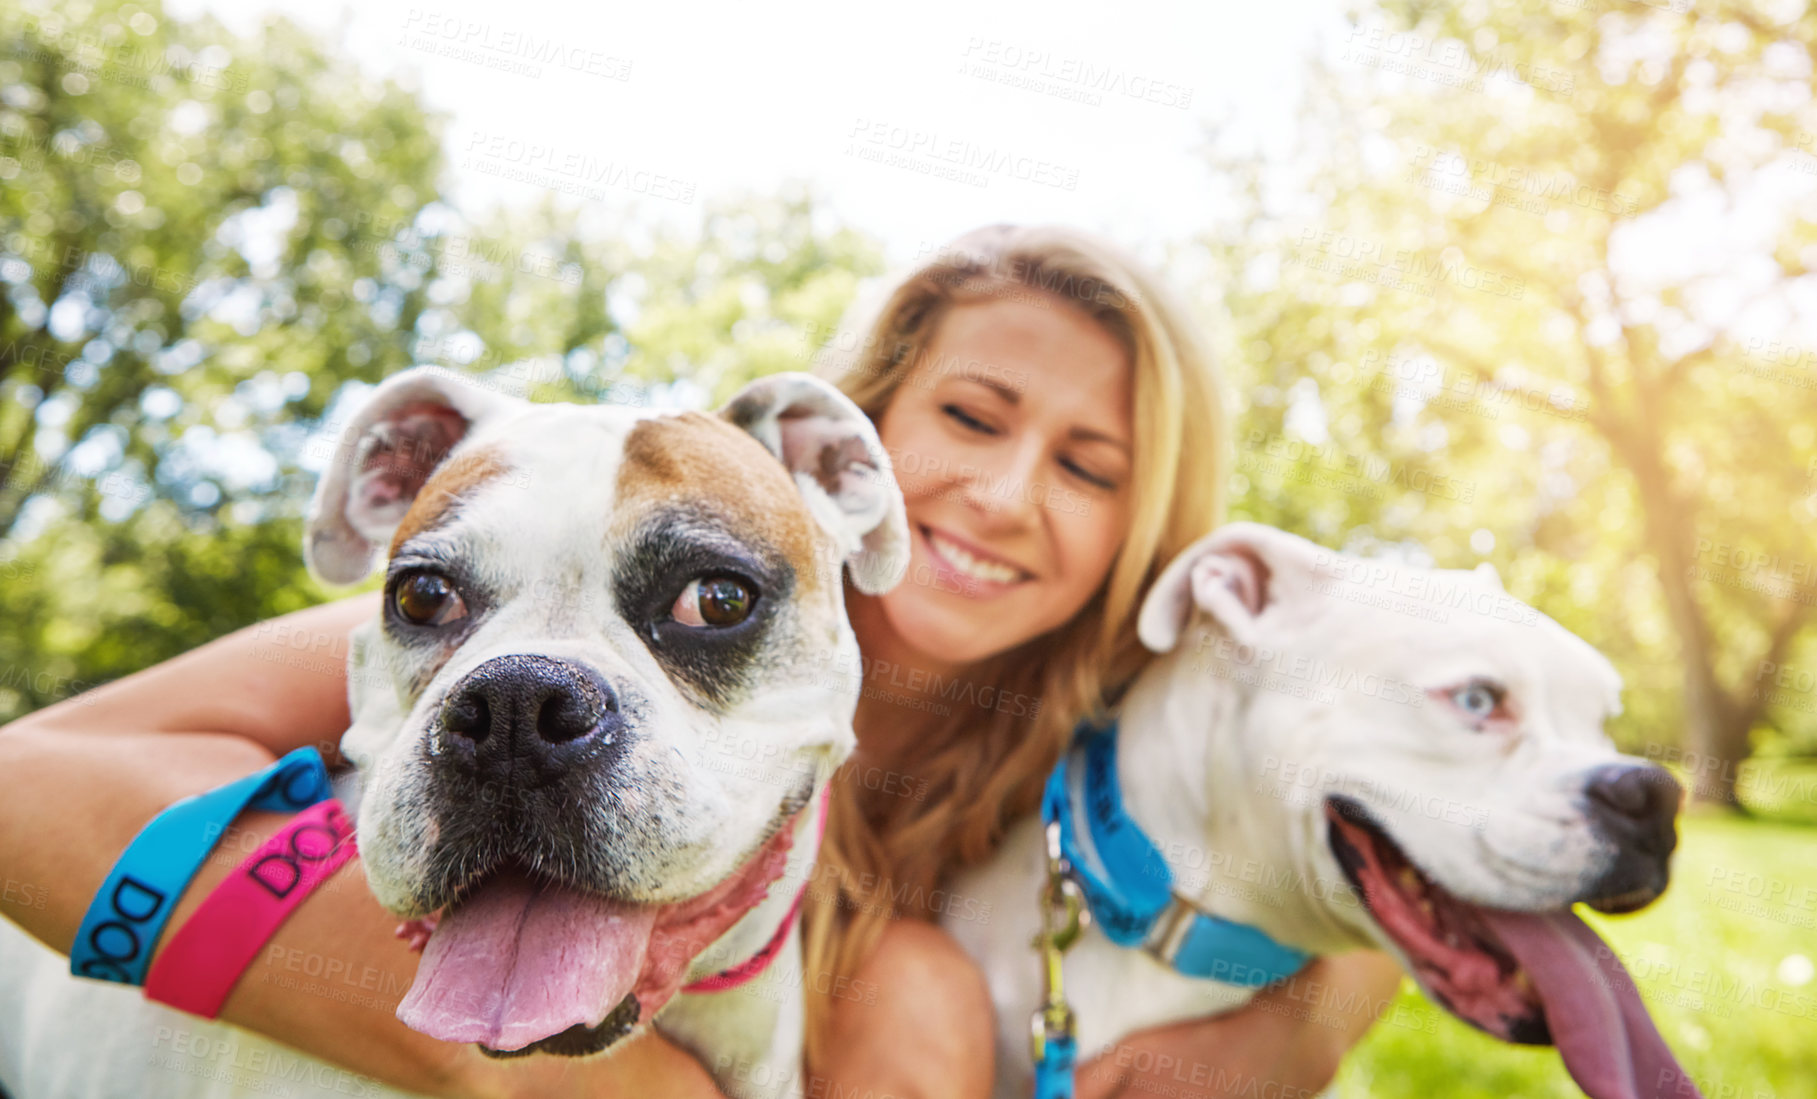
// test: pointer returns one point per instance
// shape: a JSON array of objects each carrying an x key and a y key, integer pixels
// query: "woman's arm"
[
  {"x": 85, "y": 775},
  {"x": 915, "y": 1023},
  {"x": 281, "y": 684},
  {"x": 1286, "y": 1042}
]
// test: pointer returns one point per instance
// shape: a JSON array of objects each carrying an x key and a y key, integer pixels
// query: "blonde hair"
[{"x": 886, "y": 855}]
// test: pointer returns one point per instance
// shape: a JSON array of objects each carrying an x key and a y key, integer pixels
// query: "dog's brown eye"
[
  {"x": 425, "y": 599},
  {"x": 713, "y": 601}
]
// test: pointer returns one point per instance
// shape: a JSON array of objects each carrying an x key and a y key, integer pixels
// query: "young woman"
[{"x": 1058, "y": 432}]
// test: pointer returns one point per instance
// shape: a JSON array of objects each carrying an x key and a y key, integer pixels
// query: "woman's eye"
[
  {"x": 967, "y": 420},
  {"x": 714, "y": 601},
  {"x": 1478, "y": 699},
  {"x": 427, "y": 599},
  {"x": 1087, "y": 476}
]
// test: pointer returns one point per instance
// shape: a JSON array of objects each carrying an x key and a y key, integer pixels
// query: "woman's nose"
[{"x": 1002, "y": 486}]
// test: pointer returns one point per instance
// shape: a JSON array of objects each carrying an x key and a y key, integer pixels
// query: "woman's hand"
[{"x": 1285, "y": 1043}]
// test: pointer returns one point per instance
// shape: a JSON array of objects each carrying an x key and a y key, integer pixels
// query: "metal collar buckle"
[{"x": 1168, "y": 933}]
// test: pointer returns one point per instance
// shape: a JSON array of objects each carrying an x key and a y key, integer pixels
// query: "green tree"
[
  {"x": 759, "y": 286},
  {"x": 190, "y": 234},
  {"x": 212, "y": 245},
  {"x": 1477, "y": 274}
]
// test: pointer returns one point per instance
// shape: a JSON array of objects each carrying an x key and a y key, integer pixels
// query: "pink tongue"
[
  {"x": 517, "y": 962},
  {"x": 1592, "y": 1007}
]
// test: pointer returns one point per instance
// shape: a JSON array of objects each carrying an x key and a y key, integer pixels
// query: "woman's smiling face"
[{"x": 1011, "y": 439}]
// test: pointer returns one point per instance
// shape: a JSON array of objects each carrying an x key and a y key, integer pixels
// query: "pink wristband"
[{"x": 202, "y": 962}]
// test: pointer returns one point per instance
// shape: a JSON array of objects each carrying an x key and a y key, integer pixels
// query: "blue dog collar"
[
  {"x": 1128, "y": 886},
  {"x": 129, "y": 912}
]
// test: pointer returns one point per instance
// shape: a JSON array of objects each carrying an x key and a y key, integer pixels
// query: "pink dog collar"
[
  {"x": 203, "y": 961},
  {"x": 748, "y": 969}
]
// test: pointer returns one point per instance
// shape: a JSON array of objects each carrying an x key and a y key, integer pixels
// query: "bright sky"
[
  {"x": 1093, "y": 114},
  {"x": 919, "y": 123},
  {"x": 915, "y": 124}
]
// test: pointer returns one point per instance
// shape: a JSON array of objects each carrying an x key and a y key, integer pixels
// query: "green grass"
[
  {"x": 1724, "y": 961},
  {"x": 1780, "y": 789}
]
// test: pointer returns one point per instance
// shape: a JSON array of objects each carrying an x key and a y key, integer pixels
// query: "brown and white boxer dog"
[{"x": 591, "y": 728}]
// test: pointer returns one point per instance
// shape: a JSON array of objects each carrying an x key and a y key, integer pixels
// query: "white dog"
[
  {"x": 1318, "y": 727},
  {"x": 590, "y": 727}
]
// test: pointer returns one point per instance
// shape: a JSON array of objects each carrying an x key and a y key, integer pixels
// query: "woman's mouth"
[{"x": 978, "y": 569}]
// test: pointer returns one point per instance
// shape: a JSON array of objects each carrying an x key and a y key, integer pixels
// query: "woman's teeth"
[{"x": 966, "y": 564}]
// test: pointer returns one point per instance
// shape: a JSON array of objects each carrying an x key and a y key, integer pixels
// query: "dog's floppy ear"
[
  {"x": 382, "y": 458},
  {"x": 832, "y": 448},
  {"x": 1232, "y": 574}
]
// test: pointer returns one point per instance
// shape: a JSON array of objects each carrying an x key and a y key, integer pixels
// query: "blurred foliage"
[
  {"x": 184, "y": 286},
  {"x": 1488, "y": 309},
  {"x": 209, "y": 244},
  {"x": 758, "y": 289},
  {"x": 176, "y": 244}
]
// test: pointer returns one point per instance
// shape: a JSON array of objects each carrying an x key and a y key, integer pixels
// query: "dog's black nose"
[
  {"x": 1635, "y": 807},
  {"x": 525, "y": 709}
]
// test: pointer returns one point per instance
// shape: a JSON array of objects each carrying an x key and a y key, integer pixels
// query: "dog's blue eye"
[{"x": 1479, "y": 699}]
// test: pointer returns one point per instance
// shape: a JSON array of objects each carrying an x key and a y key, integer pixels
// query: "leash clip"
[{"x": 1064, "y": 918}]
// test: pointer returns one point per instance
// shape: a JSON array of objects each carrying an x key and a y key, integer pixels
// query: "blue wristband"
[{"x": 129, "y": 912}]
